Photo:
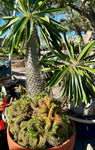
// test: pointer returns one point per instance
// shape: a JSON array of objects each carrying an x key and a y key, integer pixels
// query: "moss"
[{"x": 37, "y": 123}]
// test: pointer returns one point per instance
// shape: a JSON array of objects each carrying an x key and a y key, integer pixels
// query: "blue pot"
[{"x": 84, "y": 127}]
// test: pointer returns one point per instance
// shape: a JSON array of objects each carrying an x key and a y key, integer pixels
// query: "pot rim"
[
  {"x": 81, "y": 120},
  {"x": 59, "y": 146}
]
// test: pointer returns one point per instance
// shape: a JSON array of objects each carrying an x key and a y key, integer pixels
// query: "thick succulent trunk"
[{"x": 34, "y": 81}]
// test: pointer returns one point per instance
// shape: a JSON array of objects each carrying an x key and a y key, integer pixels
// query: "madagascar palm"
[
  {"x": 75, "y": 71},
  {"x": 23, "y": 32}
]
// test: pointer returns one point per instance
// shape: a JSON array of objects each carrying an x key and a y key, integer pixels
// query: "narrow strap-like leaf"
[
  {"x": 29, "y": 29},
  {"x": 89, "y": 63},
  {"x": 59, "y": 24},
  {"x": 86, "y": 50},
  {"x": 88, "y": 78},
  {"x": 48, "y": 42},
  {"x": 91, "y": 88},
  {"x": 52, "y": 9},
  {"x": 19, "y": 35},
  {"x": 76, "y": 91},
  {"x": 65, "y": 89},
  {"x": 91, "y": 57},
  {"x": 57, "y": 78},
  {"x": 8, "y": 17},
  {"x": 88, "y": 69},
  {"x": 82, "y": 90},
  {"x": 49, "y": 69},
  {"x": 29, "y": 5},
  {"x": 13, "y": 21},
  {"x": 86, "y": 90},
  {"x": 23, "y": 5},
  {"x": 53, "y": 62},
  {"x": 38, "y": 4},
  {"x": 79, "y": 87},
  {"x": 72, "y": 49},
  {"x": 19, "y": 25},
  {"x": 67, "y": 46},
  {"x": 70, "y": 89}
]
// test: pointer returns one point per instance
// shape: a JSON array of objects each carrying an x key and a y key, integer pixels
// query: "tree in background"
[
  {"x": 86, "y": 10},
  {"x": 76, "y": 22}
]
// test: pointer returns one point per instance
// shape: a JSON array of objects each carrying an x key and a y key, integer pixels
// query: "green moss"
[{"x": 37, "y": 124}]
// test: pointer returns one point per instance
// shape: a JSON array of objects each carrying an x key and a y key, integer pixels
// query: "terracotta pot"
[{"x": 67, "y": 145}]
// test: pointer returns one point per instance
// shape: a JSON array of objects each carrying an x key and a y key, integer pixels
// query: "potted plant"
[
  {"x": 78, "y": 79},
  {"x": 5, "y": 98},
  {"x": 23, "y": 32},
  {"x": 38, "y": 124}
]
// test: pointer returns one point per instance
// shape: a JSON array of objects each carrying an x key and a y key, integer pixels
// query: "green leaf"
[
  {"x": 82, "y": 90},
  {"x": 19, "y": 25},
  {"x": 3, "y": 31},
  {"x": 38, "y": 4},
  {"x": 3, "y": 27},
  {"x": 19, "y": 35},
  {"x": 57, "y": 78},
  {"x": 22, "y": 4},
  {"x": 89, "y": 57},
  {"x": 79, "y": 71},
  {"x": 59, "y": 24},
  {"x": 88, "y": 77},
  {"x": 67, "y": 46},
  {"x": 45, "y": 18},
  {"x": 58, "y": 54},
  {"x": 53, "y": 62},
  {"x": 49, "y": 69},
  {"x": 65, "y": 90},
  {"x": 80, "y": 87},
  {"x": 89, "y": 63},
  {"x": 18, "y": 38},
  {"x": 91, "y": 88},
  {"x": 70, "y": 89},
  {"x": 52, "y": 9},
  {"x": 43, "y": 33},
  {"x": 29, "y": 5},
  {"x": 13, "y": 21},
  {"x": 46, "y": 30},
  {"x": 76, "y": 91},
  {"x": 8, "y": 18},
  {"x": 88, "y": 69},
  {"x": 86, "y": 50},
  {"x": 29, "y": 29},
  {"x": 72, "y": 49},
  {"x": 46, "y": 56}
]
